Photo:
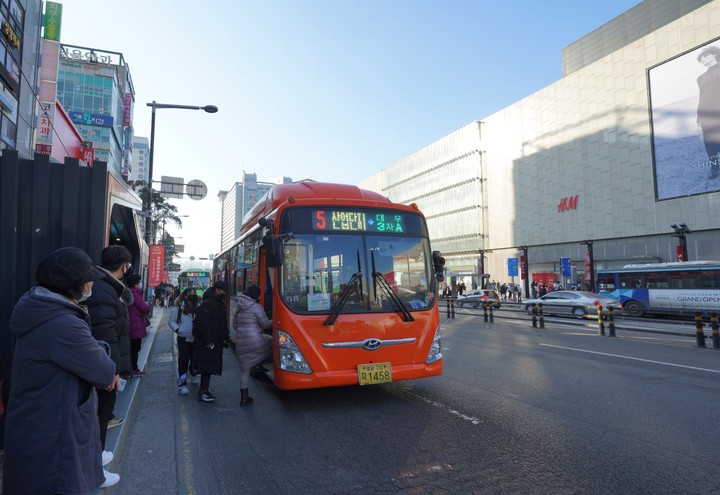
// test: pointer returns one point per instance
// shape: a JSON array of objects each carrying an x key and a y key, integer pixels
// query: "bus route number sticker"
[{"x": 370, "y": 374}]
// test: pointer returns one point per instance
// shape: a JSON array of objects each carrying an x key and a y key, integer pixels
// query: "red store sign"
[{"x": 568, "y": 203}]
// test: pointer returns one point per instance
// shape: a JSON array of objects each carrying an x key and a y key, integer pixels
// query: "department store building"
[{"x": 601, "y": 162}]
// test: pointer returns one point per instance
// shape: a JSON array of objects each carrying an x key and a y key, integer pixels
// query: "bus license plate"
[{"x": 369, "y": 374}]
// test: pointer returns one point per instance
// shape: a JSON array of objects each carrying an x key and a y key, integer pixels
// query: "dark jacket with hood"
[
  {"x": 209, "y": 327},
  {"x": 52, "y": 435},
  {"x": 109, "y": 321}
]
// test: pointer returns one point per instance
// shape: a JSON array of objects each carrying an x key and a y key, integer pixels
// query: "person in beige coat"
[{"x": 252, "y": 346}]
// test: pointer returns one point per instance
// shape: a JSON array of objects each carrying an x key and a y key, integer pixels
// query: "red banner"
[
  {"x": 156, "y": 264},
  {"x": 87, "y": 155},
  {"x": 680, "y": 253}
]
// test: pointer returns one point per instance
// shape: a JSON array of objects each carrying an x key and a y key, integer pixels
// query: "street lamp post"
[
  {"x": 148, "y": 202},
  {"x": 680, "y": 230}
]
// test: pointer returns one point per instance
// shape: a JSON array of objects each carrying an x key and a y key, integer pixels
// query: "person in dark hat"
[
  {"x": 57, "y": 367},
  {"x": 221, "y": 285},
  {"x": 210, "y": 332}
]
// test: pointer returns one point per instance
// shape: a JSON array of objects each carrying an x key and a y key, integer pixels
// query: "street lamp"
[
  {"x": 148, "y": 201},
  {"x": 162, "y": 238},
  {"x": 680, "y": 230}
]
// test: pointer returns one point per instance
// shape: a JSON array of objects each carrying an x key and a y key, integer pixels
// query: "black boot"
[{"x": 245, "y": 398}]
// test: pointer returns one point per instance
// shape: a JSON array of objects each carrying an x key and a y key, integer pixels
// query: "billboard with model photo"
[{"x": 685, "y": 116}]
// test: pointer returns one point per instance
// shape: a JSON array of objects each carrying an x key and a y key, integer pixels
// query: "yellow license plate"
[{"x": 369, "y": 374}]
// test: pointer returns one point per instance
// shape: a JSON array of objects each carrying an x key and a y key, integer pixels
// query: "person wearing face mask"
[
  {"x": 52, "y": 437},
  {"x": 138, "y": 311},
  {"x": 108, "y": 308}
]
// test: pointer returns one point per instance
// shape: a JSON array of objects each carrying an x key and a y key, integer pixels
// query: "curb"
[{"x": 126, "y": 398}]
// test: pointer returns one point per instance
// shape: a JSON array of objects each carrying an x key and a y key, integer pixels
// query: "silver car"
[
  {"x": 573, "y": 302},
  {"x": 474, "y": 298}
]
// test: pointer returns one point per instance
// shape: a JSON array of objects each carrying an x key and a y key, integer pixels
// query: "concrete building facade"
[
  {"x": 607, "y": 158},
  {"x": 239, "y": 200}
]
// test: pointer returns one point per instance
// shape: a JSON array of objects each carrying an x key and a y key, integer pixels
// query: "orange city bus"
[{"x": 349, "y": 280}]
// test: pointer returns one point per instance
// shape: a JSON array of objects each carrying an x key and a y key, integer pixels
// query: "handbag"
[{"x": 147, "y": 322}]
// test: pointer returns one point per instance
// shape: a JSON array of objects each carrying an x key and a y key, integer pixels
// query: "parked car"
[
  {"x": 573, "y": 302},
  {"x": 474, "y": 298}
]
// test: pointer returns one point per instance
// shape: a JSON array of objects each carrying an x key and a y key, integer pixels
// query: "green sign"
[{"x": 52, "y": 21}]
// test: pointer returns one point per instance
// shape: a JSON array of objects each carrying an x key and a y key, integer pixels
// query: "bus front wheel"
[{"x": 633, "y": 308}]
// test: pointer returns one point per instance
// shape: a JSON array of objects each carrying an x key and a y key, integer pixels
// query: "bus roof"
[
  {"x": 673, "y": 265},
  {"x": 295, "y": 192}
]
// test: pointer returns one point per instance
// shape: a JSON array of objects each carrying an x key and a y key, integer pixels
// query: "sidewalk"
[{"x": 125, "y": 399}]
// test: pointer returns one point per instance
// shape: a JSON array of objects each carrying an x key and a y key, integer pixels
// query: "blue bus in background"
[{"x": 666, "y": 288}]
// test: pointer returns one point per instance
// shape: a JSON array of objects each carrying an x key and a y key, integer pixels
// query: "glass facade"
[
  {"x": 12, "y": 20},
  {"x": 92, "y": 85}
]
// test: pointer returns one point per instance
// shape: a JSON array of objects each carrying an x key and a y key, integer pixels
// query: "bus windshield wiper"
[
  {"x": 355, "y": 280},
  {"x": 379, "y": 279}
]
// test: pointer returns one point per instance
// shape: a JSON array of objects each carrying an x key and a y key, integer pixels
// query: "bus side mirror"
[
  {"x": 273, "y": 247},
  {"x": 438, "y": 265},
  {"x": 273, "y": 251}
]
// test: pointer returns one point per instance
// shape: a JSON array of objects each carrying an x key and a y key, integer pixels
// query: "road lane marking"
[
  {"x": 632, "y": 358},
  {"x": 471, "y": 419}
]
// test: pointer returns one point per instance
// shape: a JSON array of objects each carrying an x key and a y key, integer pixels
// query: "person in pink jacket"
[
  {"x": 137, "y": 312},
  {"x": 252, "y": 346}
]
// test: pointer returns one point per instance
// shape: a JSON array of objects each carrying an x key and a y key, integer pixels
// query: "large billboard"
[{"x": 685, "y": 116}]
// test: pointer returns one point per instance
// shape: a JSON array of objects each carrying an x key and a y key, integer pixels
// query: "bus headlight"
[
  {"x": 291, "y": 359},
  {"x": 435, "y": 353}
]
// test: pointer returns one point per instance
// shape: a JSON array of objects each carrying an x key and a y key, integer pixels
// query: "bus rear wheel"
[{"x": 633, "y": 308}]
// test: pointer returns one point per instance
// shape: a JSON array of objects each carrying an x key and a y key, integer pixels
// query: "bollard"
[
  {"x": 601, "y": 322},
  {"x": 485, "y": 311},
  {"x": 715, "y": 330},
  {"x": 611, "y": 321},
  {"x": 540, "y": 316},
  {"x": 534, "y": 315},
  {"x": 492, "y": 318},
  {"x": 452, "y": 308},
  {"x": 699, "y": 335}
]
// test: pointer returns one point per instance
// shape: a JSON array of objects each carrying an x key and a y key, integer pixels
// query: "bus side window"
[{"x": 630, "y": 280}]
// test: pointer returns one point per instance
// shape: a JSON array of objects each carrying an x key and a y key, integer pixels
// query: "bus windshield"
[{"x": 319, "y": 267}]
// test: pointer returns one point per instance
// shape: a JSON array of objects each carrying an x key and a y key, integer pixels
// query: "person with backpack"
[{"x": 181, "y": 322}]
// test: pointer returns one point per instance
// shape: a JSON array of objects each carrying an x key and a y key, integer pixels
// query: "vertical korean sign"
[
  {"x": 52, "y": 21},
  {"x": 523, "y": 268},
  {"x": 156, "y": 264}
]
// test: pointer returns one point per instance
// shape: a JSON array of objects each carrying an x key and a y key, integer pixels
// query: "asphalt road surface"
[{"x": 518, "y": 409}]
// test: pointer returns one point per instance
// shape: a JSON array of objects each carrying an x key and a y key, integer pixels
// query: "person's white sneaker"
[
  {"x": 110, "y": 479},
  {"x": 183, "y": 390},
  {"x": 107, "y": 457}
]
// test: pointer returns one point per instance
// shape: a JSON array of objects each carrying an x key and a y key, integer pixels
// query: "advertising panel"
[
  {"x": 512, "y": 264},
  {"x": 685, "y": 118},
  {"x": 156, "y": 263},
  {"x": 52, "y": 21}
]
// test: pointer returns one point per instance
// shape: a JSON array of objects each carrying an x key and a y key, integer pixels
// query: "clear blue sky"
[{"x": 332, "y": 90}]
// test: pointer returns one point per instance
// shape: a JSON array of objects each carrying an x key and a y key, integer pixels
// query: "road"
[{"x": 517, "y": 410}]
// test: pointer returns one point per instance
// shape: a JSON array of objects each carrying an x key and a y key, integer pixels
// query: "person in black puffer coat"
[
  {"x": 210, "y": 332},
  {"x": 108, "y": 309}
]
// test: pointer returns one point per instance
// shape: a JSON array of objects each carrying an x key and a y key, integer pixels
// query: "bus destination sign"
[{"x": 358, "y": 221}]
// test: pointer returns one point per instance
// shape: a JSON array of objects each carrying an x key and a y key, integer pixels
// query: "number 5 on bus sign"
[{"x": 369, "y": 374}]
